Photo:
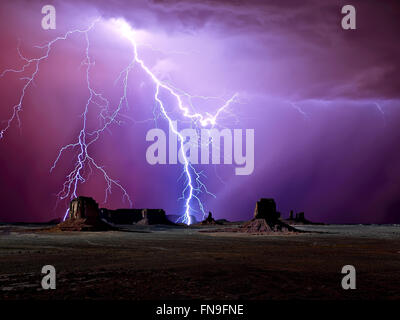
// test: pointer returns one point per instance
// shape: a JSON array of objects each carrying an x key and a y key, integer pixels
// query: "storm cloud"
[{"x": 324, "y": 103}]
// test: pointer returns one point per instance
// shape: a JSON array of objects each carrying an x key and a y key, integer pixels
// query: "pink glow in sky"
[{"x": 324, "y": 104}]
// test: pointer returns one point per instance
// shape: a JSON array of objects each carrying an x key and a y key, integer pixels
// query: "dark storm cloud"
[
  {"x": 305, "y": 37},
  {"x": 323, "y": 103},
  {"x": 362, "y": 63}
]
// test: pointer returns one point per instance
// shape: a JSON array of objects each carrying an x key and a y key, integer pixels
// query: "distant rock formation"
[
  {"x": 266, "y": 209},
  {"x": 299, "y": 219},
  {"x": 153, "y": 216},
  {"x": 266, "y": 221},
  {"x": 84, "y": 216},
  {"x": 84, "y": 208},
  {"x": 135, "y": 216},
  {"x": 209, "y": 220},
  {"x": 260, "y": 226}
]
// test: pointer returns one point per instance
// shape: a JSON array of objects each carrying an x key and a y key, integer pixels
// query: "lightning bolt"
[
  {"x": 192, "y": 190},
  {"x": 193, "y": 183},
  {"x": 298, "y": 109},
  {"x": 85, "y": 138},
  {"x": 30, "y": 79},
  {"x": 380, "y": 110}
]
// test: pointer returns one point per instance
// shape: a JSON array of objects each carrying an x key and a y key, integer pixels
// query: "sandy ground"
[{"x": 183, "y": 263}]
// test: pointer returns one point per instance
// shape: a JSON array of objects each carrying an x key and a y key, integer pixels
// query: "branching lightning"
[
  {"x": 193, "y": 183},
  {"x": 297, "y": 108},
  {"x": 190, "y": 187},
  {"x": 380, "y": 110}
]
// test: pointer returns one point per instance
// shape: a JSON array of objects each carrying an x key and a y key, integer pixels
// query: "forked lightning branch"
[{"x": 193, "y": 187}]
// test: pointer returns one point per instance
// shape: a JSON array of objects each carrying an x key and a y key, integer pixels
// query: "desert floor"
[{"x": 183, "y": 263}]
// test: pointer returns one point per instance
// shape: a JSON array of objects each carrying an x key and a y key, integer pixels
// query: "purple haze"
[{"x": 324, "y": 104}]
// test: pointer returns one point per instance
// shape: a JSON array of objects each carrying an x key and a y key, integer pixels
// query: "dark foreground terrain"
[{"x": 182, "y": 263}]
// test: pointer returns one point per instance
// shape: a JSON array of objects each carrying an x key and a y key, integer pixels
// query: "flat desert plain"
[{"x": 156, "y": 262}]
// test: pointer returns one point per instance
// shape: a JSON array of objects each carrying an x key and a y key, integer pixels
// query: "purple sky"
[{"x": 324, "y": 103}]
